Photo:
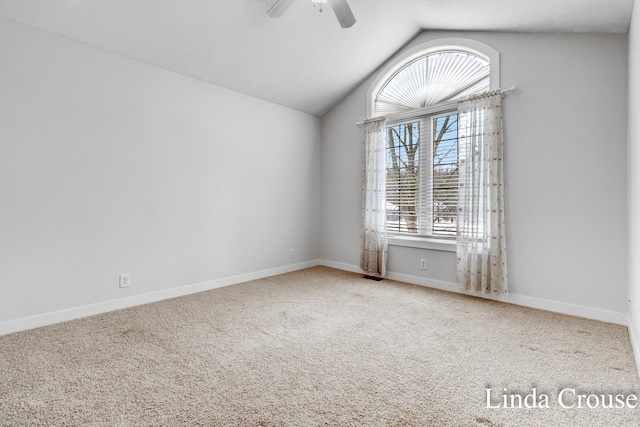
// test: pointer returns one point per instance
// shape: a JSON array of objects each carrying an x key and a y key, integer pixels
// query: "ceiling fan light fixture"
[
  {"x": 319, "y": 4},
  {"x": 340, "y": 8}
]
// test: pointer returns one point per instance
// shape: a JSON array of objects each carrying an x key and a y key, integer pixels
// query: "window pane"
[
  {"x": 403, "y": 144},
  {"x": 423, "y": 201},
  {"x": 445, "y": 174}
]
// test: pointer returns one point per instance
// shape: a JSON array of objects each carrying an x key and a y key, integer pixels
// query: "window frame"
[
  {"x": 395, "y": 65},
  {"x": 410, "y": 239},
  {"x": 427, "y": 48}
]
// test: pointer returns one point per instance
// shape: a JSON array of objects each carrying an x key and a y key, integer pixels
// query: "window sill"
[{"x": 423, "y": 243}]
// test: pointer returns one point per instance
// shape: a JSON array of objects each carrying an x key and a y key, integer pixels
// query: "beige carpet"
[{"x": 319, "y": 347}]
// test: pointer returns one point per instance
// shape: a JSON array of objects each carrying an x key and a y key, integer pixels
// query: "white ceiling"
[{"x": 302, "y": 60}]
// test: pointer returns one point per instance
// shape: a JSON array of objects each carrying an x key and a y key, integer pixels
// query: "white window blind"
[
  {"x": 422, "y": 176},
  {"x": 432, "y": 79},
  {"x": 403, "y": 173},
  {"x": 445, "y": 174}
]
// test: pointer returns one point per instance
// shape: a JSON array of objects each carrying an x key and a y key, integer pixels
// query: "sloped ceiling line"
[{"x": 302, "y": 60}]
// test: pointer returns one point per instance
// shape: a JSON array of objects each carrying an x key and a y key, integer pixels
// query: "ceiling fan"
[{"x": 340, "y": 8}]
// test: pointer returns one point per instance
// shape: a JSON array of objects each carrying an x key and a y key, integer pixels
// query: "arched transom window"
[{"x": 431, "y": 79}]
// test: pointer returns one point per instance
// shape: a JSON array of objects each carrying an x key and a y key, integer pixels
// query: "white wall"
[
  {"x": 634, "y": 182},
  {"x": 111, "y": 166},
  {"x": 565, "y": 170}
]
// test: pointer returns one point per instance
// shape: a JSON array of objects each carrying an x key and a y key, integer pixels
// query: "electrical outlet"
[
  {"x": 291, "y": 253},
  {"x": 125, "y": 280},
  {"x": 423, "y": 264}
]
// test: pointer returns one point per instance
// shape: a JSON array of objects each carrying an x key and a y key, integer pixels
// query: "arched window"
[
  {"x": 418, "y": 93},
  {"x": 434, "y": 72},
  {"x": 432, "y": 79}
]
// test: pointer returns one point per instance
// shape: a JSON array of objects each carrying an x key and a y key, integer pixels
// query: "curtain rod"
[{"x": 435, "y": 106}]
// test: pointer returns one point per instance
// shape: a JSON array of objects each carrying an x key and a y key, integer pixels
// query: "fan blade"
[
  {"x": 343, "y": 13},
  {"x": 279, "y": 7}
]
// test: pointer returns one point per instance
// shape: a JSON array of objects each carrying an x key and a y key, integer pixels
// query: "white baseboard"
[
  {"x": 341, "y": 266},
  {"x": 526, "y": 301},
  {"x": 103, "y": 307},
  {"x": 635, "y": 344}
]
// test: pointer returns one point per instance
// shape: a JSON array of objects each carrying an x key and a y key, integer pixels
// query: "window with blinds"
[
  {"x": 422, "y": 176},
  {"x": 422, "y": 149}
]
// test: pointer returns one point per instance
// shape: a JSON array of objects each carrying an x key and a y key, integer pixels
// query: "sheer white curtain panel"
[
  {"x": 373, "y": 259},
  {"x": 481, "y": 247}
]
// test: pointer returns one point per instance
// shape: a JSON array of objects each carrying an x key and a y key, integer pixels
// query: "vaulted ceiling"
[{"x": 303, "y": 59}]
